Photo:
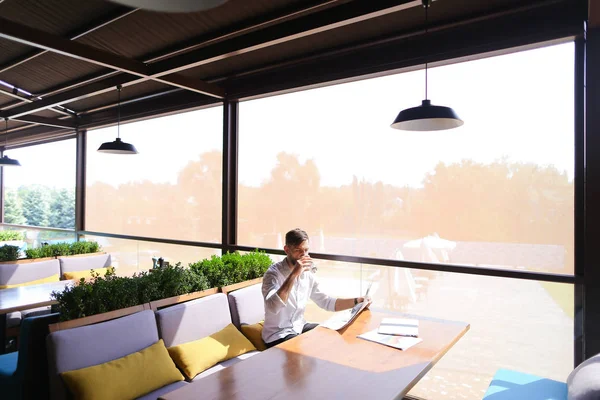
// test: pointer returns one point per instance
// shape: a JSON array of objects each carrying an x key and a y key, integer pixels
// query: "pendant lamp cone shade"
[
  {"x": 9, "y": 162},
  {"x": 117, "y": 147},
  {"x": 427, "y": 117}
]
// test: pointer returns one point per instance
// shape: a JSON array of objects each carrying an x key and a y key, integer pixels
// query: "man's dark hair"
[{"x": 295, "y": 237}]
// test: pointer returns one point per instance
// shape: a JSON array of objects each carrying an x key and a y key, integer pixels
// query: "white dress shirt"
[{"x": 282, "y": 319}]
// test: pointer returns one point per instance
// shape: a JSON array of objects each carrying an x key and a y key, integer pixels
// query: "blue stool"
[
  {"x": 24, "y": 373},
  {"x": 513, "y": 385}
]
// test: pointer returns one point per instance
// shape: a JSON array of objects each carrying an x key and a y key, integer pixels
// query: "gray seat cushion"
[
  {"x": 225, "y": 364},
  {"x": 15, "y": 274},
  {"x": 583, "y": 382},
  {"x": 163, "y": 390},
  {"x": 84, "y": 263},
  {"x": 193, "y": 320},
  {"x": 247, "y": 305},
  {"x": 97, "y": 344}
]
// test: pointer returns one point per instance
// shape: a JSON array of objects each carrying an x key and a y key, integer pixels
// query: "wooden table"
[
  {"x": 325, "y": 364},
  {"x": 25, "y": 298}
]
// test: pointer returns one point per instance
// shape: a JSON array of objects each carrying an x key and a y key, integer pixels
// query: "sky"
[{"x": 518, "y": 106}]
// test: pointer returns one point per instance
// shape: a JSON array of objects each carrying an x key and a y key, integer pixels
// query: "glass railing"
[
  {"x": 514, "y": 323},
  {"x": 132, "y": 256},
  {"x": 33, "y": 237}
]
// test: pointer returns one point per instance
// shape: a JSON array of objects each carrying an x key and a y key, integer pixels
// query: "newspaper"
[{"x": 342, "y": 319}]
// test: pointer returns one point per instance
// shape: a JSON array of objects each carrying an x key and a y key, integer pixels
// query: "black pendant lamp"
[
  {"x": 6, "y": 161},
  {"x": 118, "y": 146},
  {"x": 427, "y": 117}
]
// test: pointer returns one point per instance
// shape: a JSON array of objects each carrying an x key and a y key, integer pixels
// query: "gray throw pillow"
[{"x": 584, "y": 382}]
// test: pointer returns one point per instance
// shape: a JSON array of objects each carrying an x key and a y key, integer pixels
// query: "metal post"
[
  {"x": 80, "y": 188},
  {"x": 591, "y": 268},
  {"x": 230, "y": 174}
]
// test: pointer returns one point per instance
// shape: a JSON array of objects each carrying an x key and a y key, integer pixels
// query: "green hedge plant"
[
  {"x": 110, "y": 292},
  {"x": 7, "y": 236},
  {"x": 63, "y": 249},
  {"x": 232, "y": 268},
  {"x": 9, "y": 253}
]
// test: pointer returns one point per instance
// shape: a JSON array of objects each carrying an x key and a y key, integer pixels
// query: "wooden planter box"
[
  {"x": 236, "y": 286},
  {"x": 154, "y": 305}
]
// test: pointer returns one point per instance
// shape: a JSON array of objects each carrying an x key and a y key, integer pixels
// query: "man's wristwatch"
[{"x": 355, "y": 301}]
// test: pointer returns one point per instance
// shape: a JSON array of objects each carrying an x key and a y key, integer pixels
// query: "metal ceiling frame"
[
  {"x": 116, "y": 15},
  {"x": 274, "y": 33},
  {"x": 34, "y": 37}
]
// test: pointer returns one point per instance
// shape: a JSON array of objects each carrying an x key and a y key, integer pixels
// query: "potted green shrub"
[
  {"x": 9, "y": 254},
  {"x": 234, "y": 270},
  {"x": 12, "y": 238},
  {"x": 111, "y": 296}
]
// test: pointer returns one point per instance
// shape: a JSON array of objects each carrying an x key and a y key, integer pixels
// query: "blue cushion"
[
  {"x": 8, "y": 364},
  {"x": 515, "y": 385}
]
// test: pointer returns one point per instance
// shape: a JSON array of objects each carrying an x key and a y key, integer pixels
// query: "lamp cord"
[
  {"x": 119, "y": 113},
  {"x": 426, "y": 31}
]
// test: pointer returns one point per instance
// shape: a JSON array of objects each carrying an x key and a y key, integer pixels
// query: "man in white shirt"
[{"x": 287, "y": 286}]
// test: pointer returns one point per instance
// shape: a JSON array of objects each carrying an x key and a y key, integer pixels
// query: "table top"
[
  {"x": 30, "y": 296},
  {"x": 329, "y": 364}
]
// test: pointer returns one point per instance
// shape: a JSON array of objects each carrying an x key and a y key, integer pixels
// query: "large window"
[
  {"x": 42, "y": 191},
  {"x": 171, "y": 189},
  {"x": 495, "y": 192}
]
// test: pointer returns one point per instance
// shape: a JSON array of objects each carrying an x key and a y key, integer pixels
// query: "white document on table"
[{"x": 398, "y": 342}]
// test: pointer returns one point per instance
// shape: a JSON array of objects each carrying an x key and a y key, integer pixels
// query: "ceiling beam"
[
  {"x": 351, "y": 13},
  {"x": 33, "y": 37},
  {"x": 59, "y": 123},
  {"x": 116, "y": 15},
  {"x": 275, "y": 17},
  {"x": 95, "y": 25},
  {"x": 16, "y": 95},
  {"x": 78, "y": 93},
  {"x": 329, "y": 19}
]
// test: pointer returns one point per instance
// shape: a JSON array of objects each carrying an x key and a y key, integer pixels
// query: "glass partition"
[
  {"x": 171, "y": 189},
  {"x": 516, "y": 324},
  {"x": 495, "y": 192},
  {"x": 132, "y": 256},
  {"x": 30, "y": 237}
]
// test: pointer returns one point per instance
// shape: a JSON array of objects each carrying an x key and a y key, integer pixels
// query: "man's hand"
[
  {"x": 302, "y": 265},
  {"x": 362, "y": 299}
]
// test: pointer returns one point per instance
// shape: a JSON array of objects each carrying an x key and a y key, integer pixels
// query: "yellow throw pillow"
[
  {"x": 53, "y": 278},
  {"x": 199, "y": 355},
  {"x": 128, "y": 377},
  {"x": 254, "y": 334},
  {"x": 87, "y": 275}
]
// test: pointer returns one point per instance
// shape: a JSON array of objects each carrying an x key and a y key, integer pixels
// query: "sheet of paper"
[{"x": 398, "y": 342}]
